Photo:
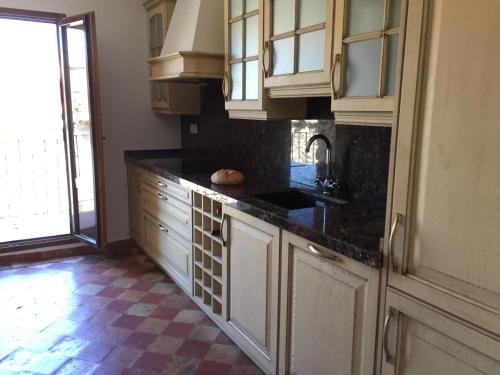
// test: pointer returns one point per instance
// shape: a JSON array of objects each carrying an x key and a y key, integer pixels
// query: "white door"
[{"x": 446, "y": 208}]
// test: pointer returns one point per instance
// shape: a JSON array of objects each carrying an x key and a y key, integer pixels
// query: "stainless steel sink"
[{"x": 295, "y": 199}]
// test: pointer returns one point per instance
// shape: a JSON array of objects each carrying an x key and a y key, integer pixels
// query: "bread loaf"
[{"x": 228, "y": 177}]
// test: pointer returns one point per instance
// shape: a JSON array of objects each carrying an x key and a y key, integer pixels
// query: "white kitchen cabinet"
[
  {"x": 365, "y": 60},
  {"x": 328, "y": 311},
  {"x": 444, "y": 245},
  {"x": 297, "y": 54},
  {"x": 169, "y": 250},
  {"x": 167, "y": 97},
  {"x": 420, "y": 339},
  {"x": 243, "y": 84},
  {"x": 134, "y": 204},
  {"x": 253, "y": 252}
]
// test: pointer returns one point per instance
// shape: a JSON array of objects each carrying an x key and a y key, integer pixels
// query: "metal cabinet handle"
[
  {"x": 162, "y": 228},
  {"x": 225, "y": 86},
  {"x": 222, "y": 230},
  {"x": 161, "y": 184},
  {"x": 397, "y": 220},
  {"x": 162, "y": 197},
  {"x": 388, "y": 356},
  {"x": 333, "y": 75},
  {"x": 265, "y": 59},
  {"x": 313, "y": 250}
]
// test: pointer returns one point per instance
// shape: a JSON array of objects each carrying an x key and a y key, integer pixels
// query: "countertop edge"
[{"x": 369, "y": 258}]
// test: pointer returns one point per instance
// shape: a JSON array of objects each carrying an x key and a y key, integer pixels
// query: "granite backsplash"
[{"x": 276, "y": 148}]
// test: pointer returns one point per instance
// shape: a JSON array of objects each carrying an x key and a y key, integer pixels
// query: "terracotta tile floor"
[{"x": 102, "y": 315}]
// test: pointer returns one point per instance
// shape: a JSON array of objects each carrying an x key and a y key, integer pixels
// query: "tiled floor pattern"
[{"x": 101, "y": 315}]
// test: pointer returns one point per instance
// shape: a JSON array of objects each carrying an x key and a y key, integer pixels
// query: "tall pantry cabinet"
[{"x": 443, "y": 299}]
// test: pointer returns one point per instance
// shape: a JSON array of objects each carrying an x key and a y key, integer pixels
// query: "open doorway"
[{"x": 50, "y": 139}]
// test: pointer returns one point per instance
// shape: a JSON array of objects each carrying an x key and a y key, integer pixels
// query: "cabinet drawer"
[
  {"x": 167, "y": 209},
  {"x": 167, "y": 186},
  {"x": 169, "y": 250}
]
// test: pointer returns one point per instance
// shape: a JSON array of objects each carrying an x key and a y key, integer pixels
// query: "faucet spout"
[{"x": 328, "y": 153}]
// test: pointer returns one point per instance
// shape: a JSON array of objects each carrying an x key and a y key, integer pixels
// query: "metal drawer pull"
[
  {"x": 324, "y": 254},
  {"x": 388, "y": 357},
  {"x": 162, "y": 197},
  {"x": 162, "y": 228},
  {"x": 161, "y": 184}
]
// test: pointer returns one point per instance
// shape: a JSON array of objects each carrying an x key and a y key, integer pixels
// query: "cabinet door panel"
[
  {"x": 363, "y": 68},
  {"x": 283, "y": 56},
  {"x": 252, "y": 295},
  {"x": 450, "y": 205},
  {"x": 252, "y": 36},
  {"x": 311, "y": 13},
  {"x": 283, "y": 16},
  {"x": 237, "y": 40},
  {"x": 252, "y": 80},
  {"x": 433, "y": 343},
  {"x": 311, "y": 52},
  {"x": 328, "y": 313},
  {"x": 364, "y": 16}
]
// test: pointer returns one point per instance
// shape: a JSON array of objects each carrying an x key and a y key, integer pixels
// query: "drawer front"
[
  {"x": 167, "y": 209},
  {"x": 169, "y": 250},
  {"x": 167, "y": 186}
]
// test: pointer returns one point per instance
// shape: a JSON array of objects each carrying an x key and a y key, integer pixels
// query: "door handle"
[
  {"x": 162, "y": 228},
  {"x": 388, "y": 357},
  {"x": 397, "y": 220},
  {"x": 265, "y": 59},
  {"x": 315, "y": 251},
  {"x": 225, "y": 86},
  {"x": 222, "y": 230},
  {"x": 333, "y": 76},
  {"x": 161, "y": 184}
]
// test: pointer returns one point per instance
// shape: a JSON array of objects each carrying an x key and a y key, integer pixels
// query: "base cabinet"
[
  {"x": 169, "y": 250},
  {"x": 253, "y": 249},
  {"x": 420, "y": 339},
  {"x": 328, "y": 312}
]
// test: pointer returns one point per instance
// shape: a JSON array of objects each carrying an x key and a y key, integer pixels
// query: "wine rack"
[{"x": 208, "y": 252}]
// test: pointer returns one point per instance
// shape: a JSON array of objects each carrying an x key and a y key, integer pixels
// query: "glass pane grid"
[
  {"x": 387, "y": 33},
  {"x": 290, "y": 28},
  {"x": 246, "y": 16}
]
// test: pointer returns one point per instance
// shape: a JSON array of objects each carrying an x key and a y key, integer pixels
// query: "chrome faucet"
[{"x": 329, "y": 186}]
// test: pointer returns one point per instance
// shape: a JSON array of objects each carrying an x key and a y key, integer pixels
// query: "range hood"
[{"x": 194, "y": 44}]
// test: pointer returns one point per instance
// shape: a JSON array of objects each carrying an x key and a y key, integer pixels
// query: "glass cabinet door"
[
  {"x": 366, "y": 51},
  {"x": 299, "y": 44},
  {"x": 242, "y": 81}
]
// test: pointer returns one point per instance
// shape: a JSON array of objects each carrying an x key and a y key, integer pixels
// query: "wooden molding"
[
  {"x": 383, "y": 119},
  {"x": 300, "y": 91},
  {"x": 187, "y": 64},
  {"x": 34, "y": 15}
]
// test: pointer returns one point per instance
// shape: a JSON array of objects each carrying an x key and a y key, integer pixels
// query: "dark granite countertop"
[{"x": 353, "y": 229}]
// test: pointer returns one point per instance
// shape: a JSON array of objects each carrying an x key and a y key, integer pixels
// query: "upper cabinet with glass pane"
[
  {"x": 298, "y": 47},
  {"x": 364, "y": 76},
  {"x": 167, "y": 98},
  {"x": 243, "y": 85}
]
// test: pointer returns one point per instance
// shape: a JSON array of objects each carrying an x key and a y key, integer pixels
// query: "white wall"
[{"x": 127, "y": 120}]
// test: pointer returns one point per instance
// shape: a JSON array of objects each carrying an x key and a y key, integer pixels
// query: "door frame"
[{"x": 56, "y": 18}]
